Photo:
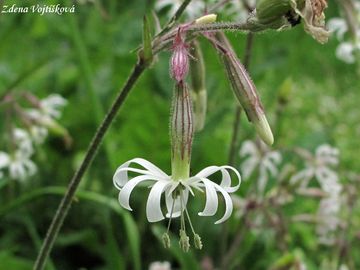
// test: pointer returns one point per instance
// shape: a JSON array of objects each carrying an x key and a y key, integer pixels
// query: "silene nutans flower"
[{"x": 177, "y": 186}]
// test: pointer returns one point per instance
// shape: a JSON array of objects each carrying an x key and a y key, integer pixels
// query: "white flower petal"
[
  {"x": 268, "y": 165},
  {"x": 326, "y": 176},
  {"x": 153, "y": 207},
  {"x": 212, "y": 203},
  {"x": 248, "y": 166},
  {"x": 124, "y": 195},
  {"x": 226, "y": 179},
  {"x": 302, "y": 176},
  {"x": 121, "y": 175},
  {"x": 228, "y": 204},
  {"x": 249, "y": 148}
]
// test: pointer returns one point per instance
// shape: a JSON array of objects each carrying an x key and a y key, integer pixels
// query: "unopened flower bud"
[
  {"x": 245, "y": 90},
  {"x": 197, "y": 241},
  {"x": 166, "y": 240},
  {"x": 179, "y": 62},
  {"x": 184, "y": 241}
]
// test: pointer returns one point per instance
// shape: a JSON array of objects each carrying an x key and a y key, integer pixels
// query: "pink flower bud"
[{"x": 179, "y": 62}]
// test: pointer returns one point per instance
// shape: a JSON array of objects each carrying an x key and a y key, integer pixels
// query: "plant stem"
[{"x": 66, "y": 201}]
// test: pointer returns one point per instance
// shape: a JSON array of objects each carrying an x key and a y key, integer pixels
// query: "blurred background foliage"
[{"x": 85, "y": 57}]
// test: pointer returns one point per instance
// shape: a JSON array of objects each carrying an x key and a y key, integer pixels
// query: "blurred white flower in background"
[
  {"x": 346, "y": 52},
  {"x": 318, "y": 166},
  {"x": 22, "y": 141},
  {"x": 160, "y": 266},
  {"x": 258, "y": 156},
  {"x": 19, "y": 165},
  {"x": 52, "y": 105},
  {"x": 39, "y": 119},
  {"x": 349, "y": 47}
]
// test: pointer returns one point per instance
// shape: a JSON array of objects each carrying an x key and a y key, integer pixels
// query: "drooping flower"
[
  {"x": 259, "y": 156},
  {"x": 179, "y": 184},
  {"x": 176, "y": 190}
]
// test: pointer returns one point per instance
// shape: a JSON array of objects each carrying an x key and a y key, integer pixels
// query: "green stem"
[{"x": 65, "y": 204}]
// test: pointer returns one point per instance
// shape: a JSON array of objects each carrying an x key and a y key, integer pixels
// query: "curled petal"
[
  {"x": 124, "y": 195},
  {"x": 226, "y": 179},
  {"x": 153, "y": 207},
  {"x": 211, "y": 204},
  {"x": 228, "y": 204},
  {"x": 121, "y": 174}
]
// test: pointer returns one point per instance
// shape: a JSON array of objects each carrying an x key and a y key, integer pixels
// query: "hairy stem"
[{"x": 66, "y": 201}]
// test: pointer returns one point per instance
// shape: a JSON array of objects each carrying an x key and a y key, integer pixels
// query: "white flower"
[
  {"x": 52, "y": 105},
  {"x": 338, "y": 26},
  {"x": 160, "y": 266},
  {"x": 23, "y": 141},
  {"x": 259, "y": 156},
  {"x": 176, "y": 192},
  {"x": 38, "y": 134},
  {"x": 19, "y": 165},
  {"x": 346, "y": 52},
  {"x": 319, "y": 166}
]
